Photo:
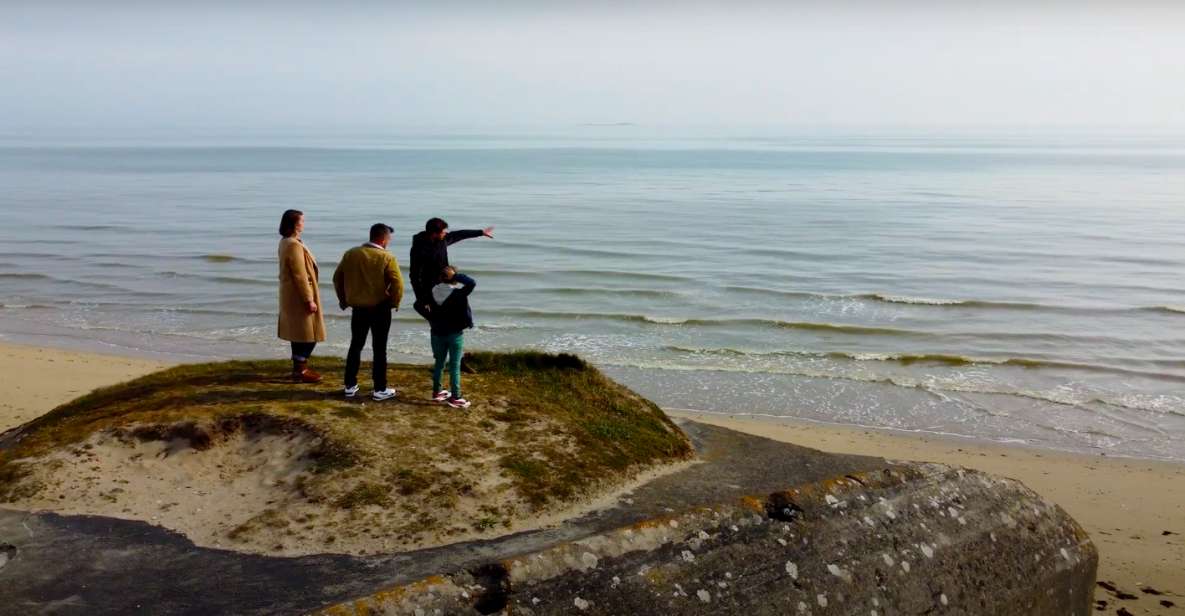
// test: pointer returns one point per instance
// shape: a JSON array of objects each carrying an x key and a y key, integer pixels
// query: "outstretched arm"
[{"x": 455, "y": 236}]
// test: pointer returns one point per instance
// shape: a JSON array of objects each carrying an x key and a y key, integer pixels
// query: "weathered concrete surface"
[
  {"x": 89, "y": 565},
  {"x": 911, "y": 539}
]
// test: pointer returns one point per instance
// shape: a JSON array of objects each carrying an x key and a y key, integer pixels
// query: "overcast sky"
[{"x": 488, "y": 64}]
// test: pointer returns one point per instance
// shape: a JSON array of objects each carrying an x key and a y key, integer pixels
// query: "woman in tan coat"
[{"x": 301, "y": 322}]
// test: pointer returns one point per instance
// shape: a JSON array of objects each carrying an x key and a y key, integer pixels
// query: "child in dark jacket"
[{"x": 450, "y": 317}]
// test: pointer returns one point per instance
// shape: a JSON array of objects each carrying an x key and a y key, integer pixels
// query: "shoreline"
[{"x": 1125, "y": 504}]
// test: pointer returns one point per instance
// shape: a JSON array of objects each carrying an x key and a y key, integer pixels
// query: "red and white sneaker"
[
  {"x": 458, "y": 403},
  {"x": 441, "y": 396}
]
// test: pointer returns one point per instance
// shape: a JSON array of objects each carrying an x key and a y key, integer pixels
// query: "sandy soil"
[
  {"x": 1126, "y": 505},
  {"x": 35, "y": 380},
  {"x": 244, "y": 492}
]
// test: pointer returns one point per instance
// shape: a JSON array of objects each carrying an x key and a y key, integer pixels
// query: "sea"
[{"x": 1008, "y": 286}]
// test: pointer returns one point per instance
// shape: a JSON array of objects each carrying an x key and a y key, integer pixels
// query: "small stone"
[
  {"x": 688, "y": 556},
  {"x": 942, "y": 599},
  {"x": 905, "y": 565},
  {"x": 928, "y": 551},
  {"x": 581, "y": 604},
  {"x": 704, "y": 596},
  {"x": 589, "y": 560},
  {"x": 888, "y": 559},
  {"x": 792, "y": 569},
  {"x": 822, "y": 599}
]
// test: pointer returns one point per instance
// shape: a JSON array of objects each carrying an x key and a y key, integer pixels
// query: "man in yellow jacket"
[{"x": 368, "y": 280}]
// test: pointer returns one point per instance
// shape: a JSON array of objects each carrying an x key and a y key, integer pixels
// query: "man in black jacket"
[{"x": 429, "y": 256}]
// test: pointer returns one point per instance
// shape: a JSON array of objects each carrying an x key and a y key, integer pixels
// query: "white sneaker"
[
  {"x": 441, "y": 396},
  {"x": 385, "y": 394},
  {"x": 458, "y": 403},
  {"x": 350, "y": 392}
]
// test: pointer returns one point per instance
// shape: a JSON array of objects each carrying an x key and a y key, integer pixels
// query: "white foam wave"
[{"x": 927, "y": 301}]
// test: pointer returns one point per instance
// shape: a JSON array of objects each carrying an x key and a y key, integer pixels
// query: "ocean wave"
[
  {"x": 220, "y": 258},
  {"x": 1166, "y": 309},
  {"x": 933, "y": 358},
  {"x": 24, "y": 276},
  {"x": 581, "y": 291},
  {"x": 219, "y": 278},
  {"x": 681, "y": 321},
  {"x": 24, "y": 307},
  {"x": 936, "y": 387},
  {"x": 901, "y": 299}
]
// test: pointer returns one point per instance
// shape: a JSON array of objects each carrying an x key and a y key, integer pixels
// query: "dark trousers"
[
  {"x": 302, "y": 350},
  {"x": 375, "y": 321}
]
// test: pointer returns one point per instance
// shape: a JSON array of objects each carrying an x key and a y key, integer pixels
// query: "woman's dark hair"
[
  {"x": 288, "y": 222},
  {"x": 435, "y": 225}
]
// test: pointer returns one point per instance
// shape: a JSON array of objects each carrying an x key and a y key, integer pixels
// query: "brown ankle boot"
[{"x": 301, "y": 372}]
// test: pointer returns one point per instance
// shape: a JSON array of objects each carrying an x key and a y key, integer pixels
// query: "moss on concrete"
[{"x": 543, "y": 431}]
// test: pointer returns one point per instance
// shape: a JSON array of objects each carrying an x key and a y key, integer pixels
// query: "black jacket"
[
  {"x": 428, "y": 257},
  {"x": 450, "y": 306}
]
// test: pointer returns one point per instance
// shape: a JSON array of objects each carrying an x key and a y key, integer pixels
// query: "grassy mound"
[{"x": 325, "y": 473}]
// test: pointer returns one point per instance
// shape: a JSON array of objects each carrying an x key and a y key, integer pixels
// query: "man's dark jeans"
[{"x": 375, "y": 321}]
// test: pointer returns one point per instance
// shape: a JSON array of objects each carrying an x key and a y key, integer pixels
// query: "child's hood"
[{"x": 443, "y": 290}]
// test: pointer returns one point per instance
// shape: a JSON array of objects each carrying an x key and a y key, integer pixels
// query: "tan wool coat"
[{"x": 298, "y": 286}]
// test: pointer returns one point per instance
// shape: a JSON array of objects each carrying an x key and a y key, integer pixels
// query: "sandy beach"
[
  {"x": 38, "y": 379},
  {"x": 1133, "y": 509}
]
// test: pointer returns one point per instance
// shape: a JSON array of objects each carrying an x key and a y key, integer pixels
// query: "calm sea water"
[{"x": 1012, "y": 288}]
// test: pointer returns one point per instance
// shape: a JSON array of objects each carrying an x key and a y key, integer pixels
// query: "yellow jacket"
[{"x": 368, "y": 276}]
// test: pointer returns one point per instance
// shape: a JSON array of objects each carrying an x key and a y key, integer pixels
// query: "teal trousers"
[{"x": 447, "y": 348}]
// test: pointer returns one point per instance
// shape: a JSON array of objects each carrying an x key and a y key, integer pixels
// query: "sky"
[{"x": 122, "y": 65}]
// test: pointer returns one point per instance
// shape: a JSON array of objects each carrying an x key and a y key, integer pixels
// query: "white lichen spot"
[
  {"x": 942, "y": 599},
  {"x": 688, "y": 556},
  {"x": 704, "y": 596},
  {"x": 831, "y": 500},
  {"x": 927, "y": 550},
  {"x": 728, "y": 575},
  {"x": 615, "y": 582},
  {"x": 589, "y": 560},
  {"x": 822, "y": 599},
  {"x": 782, "y": 542},
  {"x": 581, "y": 604},
  {"x": 534, "y": 600},
  {"x": 792, "y": 569},
  {"x": 905, "y": 565},
  {"x": 703, "y": 535},
  {"x": 888, "y": 559},
  {"x": 735, "y": 529},
  {"x": 839, "y": 573}
]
